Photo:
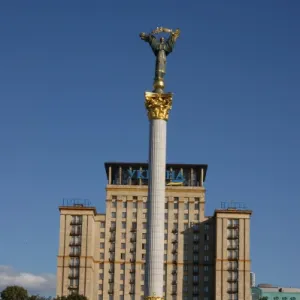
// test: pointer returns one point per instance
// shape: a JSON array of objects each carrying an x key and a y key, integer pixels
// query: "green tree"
[
  {"x": 38, "y": 297},
  {"x": 264, "y": 298},
  {"x": 14, "y": 292}
]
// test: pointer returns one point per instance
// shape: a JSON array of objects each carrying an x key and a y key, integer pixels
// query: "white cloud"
[{"x": 35, "y": 284}]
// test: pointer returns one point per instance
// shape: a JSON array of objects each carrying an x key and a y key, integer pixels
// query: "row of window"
[
  {"x": 144, "y": 198},
  {"x": 185, "y": 268},
  {"x": 132, "y": 297},
  {"x": 144, "y": 215}
]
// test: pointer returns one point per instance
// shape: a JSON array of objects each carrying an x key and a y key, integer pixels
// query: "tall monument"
[{"x": 158, "y": 104}]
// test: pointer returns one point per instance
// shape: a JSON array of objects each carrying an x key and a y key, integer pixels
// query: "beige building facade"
[{"x": 103, "y": 256}]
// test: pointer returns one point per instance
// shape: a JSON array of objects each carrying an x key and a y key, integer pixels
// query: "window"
[
  {"x": 176, "y": 199},
  {"x": 134, "y": 215},
  {"x": 123, "y": 235},
  {"x": 175, "y": 216},
  {"x": 166, "y": 236},
  {"x": 101, "y": 245},
  {"x": 121, "y": 296},
  {"x": 196, "y": 268},
  {"x": 102, "y": 235},
  {"x": 206, "y": 237},
  {"x": 185, "y": 226},
  {"x": 185, "y": 257},
  {"x": 196, "y": 206},
  {"x": 144, "y": 205},
  {"x": 142, "y": 288},
  {"x": 165, "y": 246},
  {"x": 101, "y": 266},
  {"x": 186, "y": 206},
  {"x": 101, "y": 255},
  {"x": 195, "y": 278},
  {"x": 196, "y": 217},
  {"x": 122, "y": 276},
  {"x": 113, "y": 214},
  {"x": 166, "y": 216},
  {"x": 123, "y": 214},
  {"x": 206, "y": 289},
  {"x": 101, "y": 276},
  {"x": 114, "y": 204},
  {"x": 166, "y": 225},
  {"x": 100, "y": 287},
  {"x": 165, "y": 256},
  {"x": 102, "y": 224},
  {"x": 143, "y": 246},
  {"x": 124, "y": 225},
  {"x": 123, "y": 246},
  {"x": 186, "y": 216},
  {"x": 144, "y": 215},
  {"x": 134, "y": 197},
  {"x": 144, "y": 235},
  {"x": 205, "y": 278},
  {"x": 206, "y": 226},
  {"x": 113, "y": 224},
  {"x": 100, "y": 297},
  {"x": 185, "y": 278},
  {"x": 122, "y": 255},
  {"x": 205, "y": 268},
  {"x": 175, "y": 205},
  {"x": 144, "y": 225},
  {"x": 206, "y": 258},
  {"x": 114, "y": 197},
  {"x": 196, "y": 237},
  {"x": 124, "y": 204},
  {"x": 206, "y": 247},
  {"x": 166, "y": 205},
  {"x": 134, "y": 205}
]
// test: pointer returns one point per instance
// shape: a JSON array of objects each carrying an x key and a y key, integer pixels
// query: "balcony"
[
  {"x": 73, "y": 287},
  {"x": 232, "y": 247},
  {"x": 195, "y": 293},
  {"x": 111, "y": 249},
  {"x": 232, "y": 291},
  {"x": 131, "y": 292},
  {"x": 74, "y": 264},
  {"x": 174, "y": 230},
  {"x": 174, "y": 250},
  {"x": 73, "y": 276},
  {"x": 133, "y": 229},
  {"x": 233, "y": 226},
  {"x": 110, "y": 291},
  {"x": 132, "y": 271},
  {"x": 112, "y": 229},
  {"x": 75, "y": 243},
  {"x": 132, "y": 259},
  {"x": 174, "y": 272},
  {"x": 195, "y": 272},
  {"x": 74, "y": 254},
  {"x": 112, "y": 239},
  {"x": 76, "y": 222},
  {"x": 111, "y": 259},
  {"x": 110, "y": 280},
  {"x": 174, "y": 261},
  {"x": 131, "y": 281},
  {"x": 75, "y": 232},
  {"x": 235, "y": 279},
  {"x": 174, "y": 282},
  {"x": 132, "y": 240},
  {"x": 174, "y": 241},
  {"x": 232, "y": 268},
  {"x": 111, "y": 270},
  {"x": 195, "y": 241},
  {"x": 233, "y": 258},
  {"x": 196, "y": 250},
  {"x": 233, "y": 237},
  {"x": 174, "y": 293},
  {"x": 132, "y": 250}
]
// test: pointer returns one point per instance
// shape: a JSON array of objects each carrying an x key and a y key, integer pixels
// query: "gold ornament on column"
[{"x": 158, "y": 105}]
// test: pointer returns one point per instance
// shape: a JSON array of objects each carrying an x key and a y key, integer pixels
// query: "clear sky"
[{"x": 72, "y": 79}]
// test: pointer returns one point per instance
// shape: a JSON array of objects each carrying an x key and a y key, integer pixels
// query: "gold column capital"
[
  {"x": 154, "y": 298},
  {"x": 158, "y": 106}
]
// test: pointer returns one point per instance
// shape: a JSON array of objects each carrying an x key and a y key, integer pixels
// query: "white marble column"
[{"x": 156, "y": 208}]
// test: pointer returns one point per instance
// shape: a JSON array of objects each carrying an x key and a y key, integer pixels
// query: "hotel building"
[{"x": 103, "y": 256}]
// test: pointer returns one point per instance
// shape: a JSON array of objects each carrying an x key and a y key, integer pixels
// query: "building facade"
[
  {"x": 275, "y": 293},
  {"x": 103, "y": 256},
  {"x": 252, "y": 279}
]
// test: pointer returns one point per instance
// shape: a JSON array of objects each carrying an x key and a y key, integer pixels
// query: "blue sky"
[{"x": 72, "y": 79}]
